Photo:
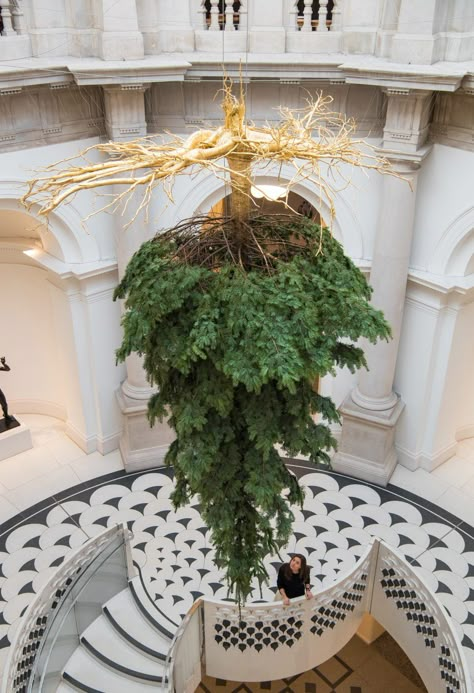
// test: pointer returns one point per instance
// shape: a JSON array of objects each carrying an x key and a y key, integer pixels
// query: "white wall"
[
  {"x": 64, "y": 320},
  {"x": 444, "y": 194},
  {"x": 457, "y": 411},
  {"x": 28, "y": 340}
]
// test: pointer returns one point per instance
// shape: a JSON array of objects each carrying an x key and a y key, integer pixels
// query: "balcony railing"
[
  {"x": 305, "y": 15},
  {"x": 315, "y": 15},
  {"x": 11, "y": 18},
  {"x": 224, "y": 15}
]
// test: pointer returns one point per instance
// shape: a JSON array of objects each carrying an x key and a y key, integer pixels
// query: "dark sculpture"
[{"x": 3, "y": 400}]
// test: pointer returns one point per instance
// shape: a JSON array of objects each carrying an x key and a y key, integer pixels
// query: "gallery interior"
[{"x": 105, "y": 584}]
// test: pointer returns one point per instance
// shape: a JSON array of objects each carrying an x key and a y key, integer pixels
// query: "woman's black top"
[{"x": 293, "y": 586}]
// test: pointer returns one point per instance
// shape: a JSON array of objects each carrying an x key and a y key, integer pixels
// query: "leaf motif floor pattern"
[
  {"x": 175, "y": 553},
  {"x": 357, "y": 668}
]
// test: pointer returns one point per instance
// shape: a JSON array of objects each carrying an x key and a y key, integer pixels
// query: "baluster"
[
  {"x": 294, "y": 16},
  {"x": 214, "y": 26},
  {"x": 243, "y": 16},
  {"x": 229, "y": 15},
  {"x": 323, "y": 13},
  {"x": 336, "y": 22},
  {"x": 18, "y": 18},
  {"x": 8, "y": 29},
  {"x": 307, "y": 15},
  {"x": 203, "y": 12}
]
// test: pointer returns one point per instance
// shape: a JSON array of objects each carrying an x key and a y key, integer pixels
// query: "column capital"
[
  {"x": 125, "y": 110},
  {"x": 407, "y": 119}
]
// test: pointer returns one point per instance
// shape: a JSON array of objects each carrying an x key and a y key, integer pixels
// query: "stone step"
[
  {"x": 84, "y": 672},
  {"x": 106, "y": 644},
  {"x": 125, "y": 616},
  {"x": 155, "y": 616},
  {"x": 65, "y": 687}
]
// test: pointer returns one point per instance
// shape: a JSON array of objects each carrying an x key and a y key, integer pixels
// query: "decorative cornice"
[
  {"x": 411, "y": 160},
  {"x": 401, "y": 78}
]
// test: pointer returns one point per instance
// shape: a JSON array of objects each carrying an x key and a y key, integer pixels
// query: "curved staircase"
[{"x": 125, "y": 649}]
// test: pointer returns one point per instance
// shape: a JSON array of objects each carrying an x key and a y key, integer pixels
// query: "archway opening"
[
  {"x": 293, "y": 204},
  {"x": 34, "y": 320}
]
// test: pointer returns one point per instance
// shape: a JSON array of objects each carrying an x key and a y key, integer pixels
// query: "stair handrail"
[
  {"x": 396, "y": 595},
  {"x": 27, "y": 642},
  {"x": 168, "y": 674}
]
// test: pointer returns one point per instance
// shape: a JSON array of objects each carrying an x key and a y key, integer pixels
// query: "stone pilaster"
[
  {"x": 267, "y": 34},
  {"x": 370, "y": 413},
  {"x": 419, "y": 36},
  {"x": 120, "y": 38},
  {"x": 174, "y": 32}
]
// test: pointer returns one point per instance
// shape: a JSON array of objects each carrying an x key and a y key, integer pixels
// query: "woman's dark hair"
[{"x": 303, "y": 574}]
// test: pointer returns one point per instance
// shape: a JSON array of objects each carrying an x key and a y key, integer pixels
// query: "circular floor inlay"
[{"x": 175, "y": 554}]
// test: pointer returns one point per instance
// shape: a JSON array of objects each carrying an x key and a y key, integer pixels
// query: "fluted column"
[
  {"x": 388, "y": 279},
  {"x": 141, "y": 446},
  {"x": 370, "y": 413}
]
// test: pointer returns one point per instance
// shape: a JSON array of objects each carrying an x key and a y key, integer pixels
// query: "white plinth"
[
  {"x": 16, "y": 440},
  {"x": 141, "y": 447},
  {"x": 367, "y": 449}
]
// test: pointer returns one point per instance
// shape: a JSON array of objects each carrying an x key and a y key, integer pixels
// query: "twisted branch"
[{"x": 305, "y": 139}]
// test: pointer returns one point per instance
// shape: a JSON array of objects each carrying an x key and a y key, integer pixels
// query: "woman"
[{"x": 293, "y": 580}]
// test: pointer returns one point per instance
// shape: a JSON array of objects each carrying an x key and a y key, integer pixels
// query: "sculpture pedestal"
[
  {"x": 141, "y": 447},
  {"x": 14, "y": 439},
  {"x": 367, "y": 449}
]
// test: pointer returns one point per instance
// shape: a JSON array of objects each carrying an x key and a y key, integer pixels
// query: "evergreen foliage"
[{"x": 234, "y": 348}]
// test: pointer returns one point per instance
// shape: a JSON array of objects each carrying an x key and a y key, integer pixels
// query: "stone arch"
[
  {"x": 63, "y": 236},
  {"x": 454, "y": 252},
  {"x": 207, "y": 190},
  {"x": 57, "y": 302}
]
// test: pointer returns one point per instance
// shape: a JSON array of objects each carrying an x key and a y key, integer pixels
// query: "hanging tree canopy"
[{"x": 236, "y": 317}]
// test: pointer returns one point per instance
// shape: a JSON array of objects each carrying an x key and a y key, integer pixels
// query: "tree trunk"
[{"x": 240, "y": 171}]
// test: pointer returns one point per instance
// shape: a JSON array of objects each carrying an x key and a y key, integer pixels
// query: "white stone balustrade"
[
  {"x": 409, "y": 32},
  {"x": 223, "y": 15},
  {"x": 14, "y": 41},
  {"x": 18, "y": 18},
  {"x": 315, "y": 27},
  {"x": 6, "y": 13},
  {"x": 41, "y": 625},
  {"x": 271, "y": 641},
  {"x": 315, "y": 15}
]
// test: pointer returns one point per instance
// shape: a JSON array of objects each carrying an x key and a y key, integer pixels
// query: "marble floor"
[
  {"x": 358, "y": 668},
  {"x": 54, "y": 497}
]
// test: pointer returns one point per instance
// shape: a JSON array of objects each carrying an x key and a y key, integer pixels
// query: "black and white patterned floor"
[{"x": 174, "y": 551}]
